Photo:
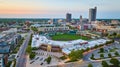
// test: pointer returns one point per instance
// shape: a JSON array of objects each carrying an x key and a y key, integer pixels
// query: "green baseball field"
[{"x": 68, "y": 37}]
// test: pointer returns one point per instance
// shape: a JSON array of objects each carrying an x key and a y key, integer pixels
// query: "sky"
[{"x": 106, "y": 9}]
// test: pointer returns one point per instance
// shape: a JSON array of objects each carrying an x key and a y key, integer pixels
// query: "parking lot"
[
  {"x": 109, "y": 49},
  {"x": 39, "y": 60}
]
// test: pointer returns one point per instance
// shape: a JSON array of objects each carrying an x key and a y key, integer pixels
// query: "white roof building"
[{"x": 67, "y": 46}]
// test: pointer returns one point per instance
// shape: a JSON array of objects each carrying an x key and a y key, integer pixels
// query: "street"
[{"x": 21, "y": 56}]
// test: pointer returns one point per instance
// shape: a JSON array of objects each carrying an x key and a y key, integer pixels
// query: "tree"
[
  {"x": 32, "y": 55},
  {"x": 8, "y": 64},
  {"x": 116, "y": 53},
  {"x": 115, "y": 62},
  {"x": 14, "y": 62},
  {"x": 109, "y": 42},
  {"x": 109, "y": 36},
  {"x": 30, "y": 39},
  {"x": 28, "y": 50},
  {"x": 105, "y": 64},
  {"x": 102, "y": 55},
  {"x": 92, "y": 57},
  {"x": 114, "y": 34},
  {"x": 101, "y": 50},
  {"x": 80, "y": 52},
  {"x": 75, "y": 55},
  {"x": 96, "y": 46},
  {"x": 87, "y": 49},
  {"x": 34, "y": 48},
  {"x": 34, "y": 29},
  {"x": 105, "y": 34},
  {"x": 90, "y": 65},
  {"x": 48, "y": 60},
  {"x": 63, "y": 57},
  {"x": 118, "y": 35},
  {"x": 109, "y": 55}
]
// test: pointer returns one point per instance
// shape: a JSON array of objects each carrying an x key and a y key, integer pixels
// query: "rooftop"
[
  {"x": 67, "y": 46},
  {"x": 38, "y": 40},
  {"x": 4, "y": 47}
]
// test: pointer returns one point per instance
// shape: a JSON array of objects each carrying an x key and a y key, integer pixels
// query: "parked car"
[
  {"x": 41, "y": 64},
  {"x": 41, "y": 59},
  {"x": 37, "y": 58},
  {"x": 32, "y": 62}
]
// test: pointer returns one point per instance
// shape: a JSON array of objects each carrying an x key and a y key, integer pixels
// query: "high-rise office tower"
[
  {"x": 80, "y": 19},
  {"x": 81, "y": 23},
  {"x": 68, "y": 17},
  {"x": 92, "y": 14}
]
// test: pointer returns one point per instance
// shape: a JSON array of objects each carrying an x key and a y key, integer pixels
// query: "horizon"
[
  {"x": 58, "y": 8},
  {"x": 55, "y": 18}
]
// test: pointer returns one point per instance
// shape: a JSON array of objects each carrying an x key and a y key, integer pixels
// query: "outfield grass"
[{"x": 68, "y": 37}]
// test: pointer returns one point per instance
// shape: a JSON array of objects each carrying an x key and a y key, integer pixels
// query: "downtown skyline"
[{"x": 58, "y": 8}]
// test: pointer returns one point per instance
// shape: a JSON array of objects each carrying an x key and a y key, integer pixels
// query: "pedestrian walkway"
[{"x": 45, "y": 53}]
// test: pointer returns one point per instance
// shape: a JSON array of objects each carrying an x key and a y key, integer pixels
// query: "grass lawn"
[
  {"x": 113, "y": 50},
  {"x": 68, "y": 37}
]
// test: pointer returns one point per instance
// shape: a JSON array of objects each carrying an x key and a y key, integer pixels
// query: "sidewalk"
[
  {"x": 12, "y": 64},
  {"x": 104, "y": 59}
]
